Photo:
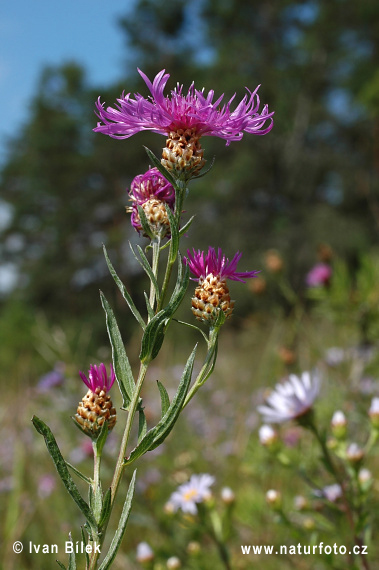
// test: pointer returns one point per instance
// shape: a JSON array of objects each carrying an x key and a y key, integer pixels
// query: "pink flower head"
[
  {"x": 320, "y": 274},
  {"x": 216, "y": 264},
  {"x": 98, "y": 378},
  {"x": 196, "y": 110},
  {"x": 152, "y": 184}
]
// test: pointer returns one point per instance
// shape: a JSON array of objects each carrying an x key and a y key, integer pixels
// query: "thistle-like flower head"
[
  {"x": 292, "y": 399},
  {"x": 151, "y": 191},
  {"x": 202, "y": 265},
  {"x": 195, "y": 111},
  {"x": 319, "y": 275},
  {"x": 98, "y": 378}
]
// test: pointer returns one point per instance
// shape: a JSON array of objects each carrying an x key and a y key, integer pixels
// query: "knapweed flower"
[
  {"x": 292, "y": 399},
  {"x": 319, "y": 275},
  {"x": 96, "y": 406},
  {"x": 152, "y": 192},
  {"x": 212, "y": 294},
  {"x": 184, "y": 118},
  {"x": 196, "y": 490}
]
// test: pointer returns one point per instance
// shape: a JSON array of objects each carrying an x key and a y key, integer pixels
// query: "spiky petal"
[
  {"x": 195, "y": 110},
  {"x": 98, "y": 378},
  {"x": 202, "y": 265}
]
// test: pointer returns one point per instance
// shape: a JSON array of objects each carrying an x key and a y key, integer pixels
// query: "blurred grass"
[{"x": 216, "y": 434}]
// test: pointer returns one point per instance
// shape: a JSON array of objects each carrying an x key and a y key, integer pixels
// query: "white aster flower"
[
  {"x": 330, "y": 492},
  {"x": 144, "y": 552},
  {"x": 195, "y": 491},
  {"x": 291, "y": 399},
  {"x": 267, "y": 435}
]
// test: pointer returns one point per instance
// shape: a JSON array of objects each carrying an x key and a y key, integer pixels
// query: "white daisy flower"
[
  {"x": 195, "y": 491},
  {"x": 144, "y": 552},
  {"x": 291, "y": 399}
]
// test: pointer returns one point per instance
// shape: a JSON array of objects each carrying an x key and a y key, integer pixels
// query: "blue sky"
[{"x": 35, "y": 33}]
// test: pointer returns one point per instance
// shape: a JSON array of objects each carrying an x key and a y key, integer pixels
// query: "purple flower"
[
  {"x": 98, "y": 378},
  {"x": 320, "y": 274},
  {"x": 195, "y": 111},
  {"x": 216, "y": 264},
  {"x": 51, "y": 379},
  {"x": 151, "y": 191}
]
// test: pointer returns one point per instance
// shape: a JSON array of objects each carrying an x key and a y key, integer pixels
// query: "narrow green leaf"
[
  {"x": 71, "y": 557},
  {"x": 144, "y": 223},
  {"x": 204, "y": 172},
  {"x": 101, "y": 438},
  {"x": 150, "y": 335},
  {"x": 191, "y": 326},
  {"x": 149, "y": 272},
  {"x": 62, "y": 469},
  {"x": 158, "y": 434},
  {"x": 123, "y": 291},
  {"x": 85, "y": 541},
  {"x": 79, "y": 473},
  {"x": 165, "y": 400},
  {"x": 142, "y": 424},
  {"x": 174, "y": 235},
  {"x": 157, "y": 163},
  {"x": 61, "y": 565},
  {"x": 106, "y": 508},
  {"x": 123, "y": 371},
  {"x": 150, "y": 311},
  {"x": 117, "y": 539}
]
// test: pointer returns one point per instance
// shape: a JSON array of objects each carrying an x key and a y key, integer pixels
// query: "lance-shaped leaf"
[
  {"x": 123, "y": 371},
  {"x": 117, "y": 539},
  {"x": 181, "y": 232},
  {"x": 144, "y": 263},
  {"x": 157, "y": 163},
  {"x": 123, "y": 290},
  {"x": 107, "y": 502},
  {"x": 62, "y": 469},
  {"x": 158, "y": 434},
  {"x": 142, "y": 423},
  {"x": 165, "y": 400},
  {"x": 71, "y": 557},
  {"x": 62, "y": 566},
  {"x": 154, "y": 333},
  {"x": 174, "y": 235},
  {"x": 144, "y": 223}
]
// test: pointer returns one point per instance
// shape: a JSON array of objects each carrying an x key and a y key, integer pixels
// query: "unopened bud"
[
  {"x": 268, "y": 436},
  {"x": 300, "y": 503},
  {"x": 274, "y": 498},
  {"x": 339, "y": 424},
  {"x": 365, "y": 478},
  {"x": 144, "y": 553},
  {"x": 309, "y": 523},
  {"x": 374, "y": 412},
  {"x": 193, "y": 548},
  {"x": 274, "y": 261},
  {"x": 354, "y": 453},
  {"x": 173, "y": 563},
  {"x": 227, "y": 496}
]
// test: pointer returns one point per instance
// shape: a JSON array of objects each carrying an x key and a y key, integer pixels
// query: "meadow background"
[{"x": 309, "y": 191}]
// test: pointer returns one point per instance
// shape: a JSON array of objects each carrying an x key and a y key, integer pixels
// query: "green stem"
[
  {"x": 332, "y": 469},
  {"x": 156, "y": 252},
  {"x": 119, "y": 469},
  {"x": 207, "y": 366},
  {"x": 179, "y": 198},
  {"x": 96, "y": 467}
]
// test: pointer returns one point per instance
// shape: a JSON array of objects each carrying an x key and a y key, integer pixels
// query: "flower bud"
[
  {"x": 365, "y": 479},
  {"x": 339, "y": 424},
  {"x": 193, "y": 548},
  {"x": 274, "y": 498},
  {"x": 173, "y": 563},
  {"x": 300, "y": 503},
  {"x": 273, "y": 261},
  {"x": 227, "y": 496},
  {"x": 374, "y": 412},
  {"x": 268, "y": 436},
  {"x": 354, "y": 453},
  {"x": 144, "y": 553},
  {"x": 309, "y": 523}
]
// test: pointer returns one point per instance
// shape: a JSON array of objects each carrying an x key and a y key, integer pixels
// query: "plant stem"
[
  {"x": 338, "y": 478},
  {"x": 119, "y": 469},
  {"x": 207, "y": 367},
  {"x": 156, "y": 252}
]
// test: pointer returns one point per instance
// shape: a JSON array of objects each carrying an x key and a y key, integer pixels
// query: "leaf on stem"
[
  {"x": 123, "y": 371},
  {"x": 85, "y": 541},
  {"x": 123, "y": 291},
  {"x": 71, "y": 557},
  {"x": 158, "y": 434},
  {"x": 144, "y": 223},
  {"x": 61, "y": 565},
  {"x": 142, "y": 424},
  {"x": 106, "y": 507},
  {"x": 117, "y": 539},
  {"x": 62, "y": 469},
  {"x": 79, "y": 473},
  {"x": 174, "y": 235},
  {"x": 165, "y": 400},
  {"x": 157, "y": 163}
]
